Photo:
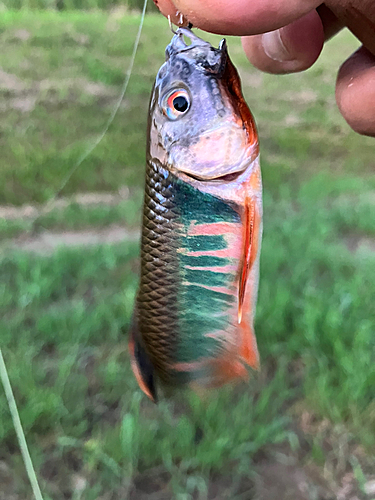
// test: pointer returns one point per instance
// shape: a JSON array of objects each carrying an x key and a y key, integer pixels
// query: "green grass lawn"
[{"x": 64, "y": 314}]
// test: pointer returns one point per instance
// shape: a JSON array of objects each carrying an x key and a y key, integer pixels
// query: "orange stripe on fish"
[
  {"x": 212, "y": 229},
  {"x": 223, "y": 253}
]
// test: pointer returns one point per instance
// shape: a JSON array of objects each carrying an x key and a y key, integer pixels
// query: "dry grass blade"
[{"x": 19, "y": 430}]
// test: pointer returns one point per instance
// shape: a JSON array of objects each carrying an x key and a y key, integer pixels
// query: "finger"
[
  {"x": 239, "y": 17},
  {"x": 355, "y": 91},
  {"x": 168, "y": 9},
  {"x": 294, "y": 47},
  {"x": 359, "y": 16},
  {"x": 331, "y": 24}
]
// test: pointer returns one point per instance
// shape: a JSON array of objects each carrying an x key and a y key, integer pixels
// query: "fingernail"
[{"x": 274, "y": 47}]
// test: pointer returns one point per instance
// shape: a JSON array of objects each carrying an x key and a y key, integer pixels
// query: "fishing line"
[
  {"x": 3, "y": 370},
  {"x": 112, "y": 116},
  {"x": 19, "y": 431}
]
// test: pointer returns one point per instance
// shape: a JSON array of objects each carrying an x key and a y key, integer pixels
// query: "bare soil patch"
[
  {"x": 360, "y": 245},
  {"x": 49, "y": 241},
  {"x": 11, "y": 212},
  {"x": 24, "y": 96}
]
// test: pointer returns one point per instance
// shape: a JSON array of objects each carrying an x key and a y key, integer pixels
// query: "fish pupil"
[{"x": 180, "y": 104}]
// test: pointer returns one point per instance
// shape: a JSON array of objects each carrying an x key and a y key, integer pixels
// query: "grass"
[
  {"x": 74, "y": 215},
  {"x": 64, "y": 315}
]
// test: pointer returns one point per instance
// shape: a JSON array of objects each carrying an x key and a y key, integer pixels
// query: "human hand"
[{"x": 281, "y": 36}]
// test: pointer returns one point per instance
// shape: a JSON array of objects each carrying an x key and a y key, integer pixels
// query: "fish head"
[{"x": 199, "y": 122}]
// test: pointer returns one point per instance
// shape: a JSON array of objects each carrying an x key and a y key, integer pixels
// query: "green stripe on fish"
[{"x": 206, "y": 294}]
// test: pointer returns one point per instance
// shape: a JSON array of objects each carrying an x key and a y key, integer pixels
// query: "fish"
[{"x": 194, "y": 311}]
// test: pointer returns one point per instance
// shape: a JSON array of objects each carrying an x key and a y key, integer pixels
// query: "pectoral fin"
[
  {"x": 252, "y": 222},
  {"x": 250, "y": 251}
]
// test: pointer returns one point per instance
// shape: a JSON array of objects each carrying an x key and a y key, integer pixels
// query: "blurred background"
[{"x": 303, "y": 428}]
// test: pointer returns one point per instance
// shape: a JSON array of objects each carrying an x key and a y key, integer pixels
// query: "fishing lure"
[{"x": 202, "y": 224}]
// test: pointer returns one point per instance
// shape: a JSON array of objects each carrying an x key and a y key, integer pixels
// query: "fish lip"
[
  {"x": 196, "y": 41},
  {"x": 222, "y": 178},
  {"x": 200, "y": 52},
  {"x": 239, "y": 169},
  {"x": 178, "y": 44}
]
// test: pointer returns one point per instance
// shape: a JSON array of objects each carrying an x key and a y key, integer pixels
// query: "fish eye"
[{"x": 176, "y": 104}]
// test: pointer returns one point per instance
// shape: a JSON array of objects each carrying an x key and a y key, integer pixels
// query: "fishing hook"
[
  {"x": 171, "y": 26},
  {"x": 189, "y": 26}
]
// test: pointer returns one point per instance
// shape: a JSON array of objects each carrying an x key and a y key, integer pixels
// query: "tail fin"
[{"x": 141, "y": 363}]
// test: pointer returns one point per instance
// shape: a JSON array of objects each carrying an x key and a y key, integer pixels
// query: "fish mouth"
[
  {"x": 199, "y": 52},
  {"x": 221, "y": 178},
  {"x": 178, "y": 43}
]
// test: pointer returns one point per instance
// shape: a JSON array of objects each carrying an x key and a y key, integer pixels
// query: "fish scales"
[
  {"x": 201, "y": 225},
  {"x": 158, "y": 288}
]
